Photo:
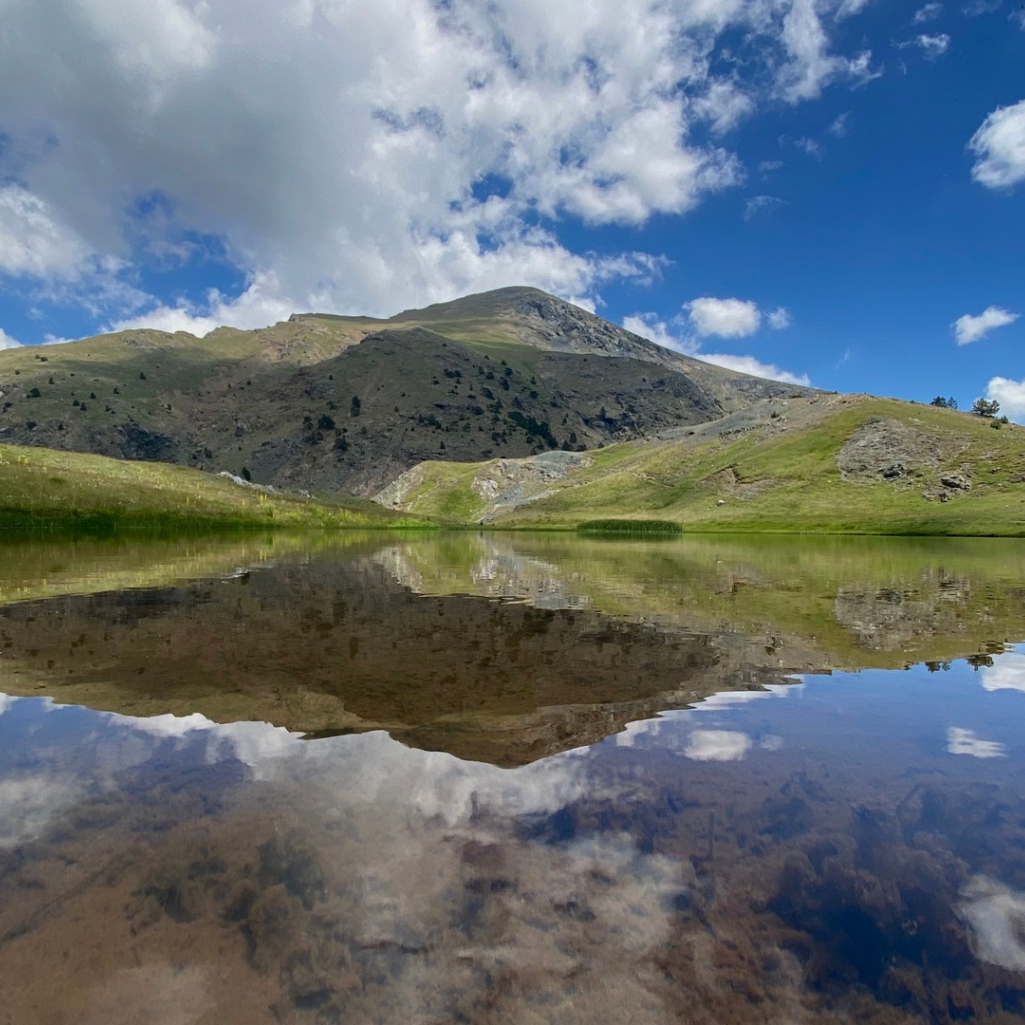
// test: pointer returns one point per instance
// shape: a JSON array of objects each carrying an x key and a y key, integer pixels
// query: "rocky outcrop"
[{"x": 888, "y": 449}]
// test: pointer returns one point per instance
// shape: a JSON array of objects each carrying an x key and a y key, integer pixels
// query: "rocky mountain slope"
[{"x": 349, "y": 403}]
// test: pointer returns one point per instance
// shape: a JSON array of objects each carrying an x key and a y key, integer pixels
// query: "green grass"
[
  {"x": 44, "y": 491},
  {"x": 778, "y": 482}
]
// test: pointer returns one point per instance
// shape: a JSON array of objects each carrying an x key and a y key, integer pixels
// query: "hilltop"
[
  {"x": 816, "y": 463},
  {"x": 349, "y": 403}
]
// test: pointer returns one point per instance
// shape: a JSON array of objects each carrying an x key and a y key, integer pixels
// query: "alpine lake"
[{"x": 512, "y": 778}]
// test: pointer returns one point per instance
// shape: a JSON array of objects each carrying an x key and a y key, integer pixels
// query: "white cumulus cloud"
[
  {"x": 779, "y": 318},
  {"x": 933, "y": 46},
  {"x": 839, "y": 126},
  {"x": 848, "y": 8},
  {"x": 1007, "y": 671},
  {"x": 724, "y": 105},
  {"x": 34, "y": 241},
  {"x": 259, "y": 305},
  {"x": 647, "y": 325},
  {"x": 761, "y": 206},
  {"x": 996, "y": 915},
  {"x": 369, "y": 156},
  {"x": 971, "y": 328},
  {"x": 724, "y": 318},
  {"x": 810, "y": 65},
  {"x": 755, "y": 367},
  {"x": 6, "y": 341},
  {"x": 979, "y": 8},
  {"x": 930, "y": 12},
  {"x": 999, "y": 148},
  {"x": 809, "y": 146},
  {"x": 1011, "y": 396}
]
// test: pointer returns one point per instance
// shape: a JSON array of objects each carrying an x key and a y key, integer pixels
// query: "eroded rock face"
[
  {"x": 508, "y": 483},
  {"x": 502, "y": 483},
  {"x": 151, "y": 446},
  {"x": 887, "y": 449}
]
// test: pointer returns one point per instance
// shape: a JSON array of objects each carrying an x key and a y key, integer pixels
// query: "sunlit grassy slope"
[
  {"x": 45, "y": 490},
  {"x": 843, "y": 602},
  {"x": 772, "y": 477},
  {"x": 40, "y": 566}
]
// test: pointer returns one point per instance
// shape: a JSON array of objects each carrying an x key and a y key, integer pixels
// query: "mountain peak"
[{"x": 481, "y": 304}]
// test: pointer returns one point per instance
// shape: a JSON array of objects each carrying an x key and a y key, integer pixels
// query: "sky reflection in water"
[{"x": 826, "y": 848}]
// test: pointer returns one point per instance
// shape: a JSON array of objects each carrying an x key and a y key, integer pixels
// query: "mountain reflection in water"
[{"x": 640, "y": 801}]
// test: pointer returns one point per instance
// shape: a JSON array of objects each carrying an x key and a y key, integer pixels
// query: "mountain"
[
  {"x": 818, "y": 463},
  {"x": 534, "y": 318},
  {"x": 349, "y": 403}
]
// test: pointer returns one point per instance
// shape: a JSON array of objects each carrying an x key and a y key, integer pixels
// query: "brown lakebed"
[{"x": 512, "y": 778}]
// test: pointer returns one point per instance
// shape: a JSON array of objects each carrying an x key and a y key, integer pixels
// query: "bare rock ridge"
[{"x": 348, "y": 403}]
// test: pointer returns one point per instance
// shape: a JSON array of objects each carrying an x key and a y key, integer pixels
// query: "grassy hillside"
[
  {"x": 35, "y": 567},
  {"x": 504, "y": 374},
  {"x": 46, "y": 491},
  {"x": 352, "y": 419},
  {"x": 829, "y": 602},
  {"x": 828, "y": 464}
]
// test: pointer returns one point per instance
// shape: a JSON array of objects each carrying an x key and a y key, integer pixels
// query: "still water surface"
[{"x": 512, "y": 779}]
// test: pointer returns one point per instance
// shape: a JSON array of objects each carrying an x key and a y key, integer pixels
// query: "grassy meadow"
[{"x": 46, "y": 491}]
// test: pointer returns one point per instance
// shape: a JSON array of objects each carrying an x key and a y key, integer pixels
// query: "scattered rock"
[{"x": 956, "y": 480}]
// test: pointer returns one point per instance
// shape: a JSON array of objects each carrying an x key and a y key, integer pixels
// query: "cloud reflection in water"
[
  {"x": 996, "y": 915},
  {"x": 1006, "y": 673},
  {"x": 965, "y": 742}
]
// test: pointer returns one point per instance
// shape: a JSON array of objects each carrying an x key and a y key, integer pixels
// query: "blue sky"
[{"x": 821, "y": 190}]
